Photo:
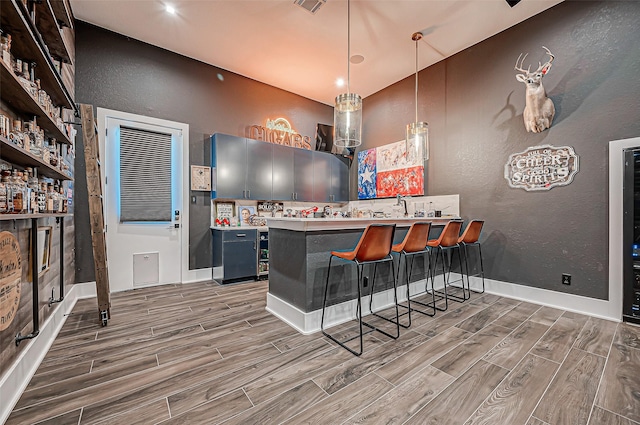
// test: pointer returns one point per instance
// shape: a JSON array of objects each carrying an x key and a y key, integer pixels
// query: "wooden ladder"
[{"x": 96, "y": 214}]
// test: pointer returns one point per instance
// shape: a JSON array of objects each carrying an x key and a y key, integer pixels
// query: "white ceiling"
[{"x": 282, "y": 44}]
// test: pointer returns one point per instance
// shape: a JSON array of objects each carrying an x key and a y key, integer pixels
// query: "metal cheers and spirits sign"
[{"x": 541, "y": 167}]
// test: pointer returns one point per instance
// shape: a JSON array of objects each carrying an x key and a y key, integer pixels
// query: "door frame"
[{"x": 102, "y": 116}]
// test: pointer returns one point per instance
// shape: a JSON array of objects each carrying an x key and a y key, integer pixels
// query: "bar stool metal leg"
[{"x": 395, "y": 302}]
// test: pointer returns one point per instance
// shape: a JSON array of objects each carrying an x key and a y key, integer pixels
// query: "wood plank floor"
[{"x": 204, "y": 353}]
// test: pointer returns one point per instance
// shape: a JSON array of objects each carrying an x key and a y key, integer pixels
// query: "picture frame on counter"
[
  {"x": 245, "y": 213},
  {"x": 224, "y": 210}
]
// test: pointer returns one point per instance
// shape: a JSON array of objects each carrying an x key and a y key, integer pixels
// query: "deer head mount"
[{"x": 539, "y": 110}]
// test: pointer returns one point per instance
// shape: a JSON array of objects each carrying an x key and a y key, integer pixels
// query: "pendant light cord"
[
  {"x": 416, "y": 81},
  {"x": 348, "y": 46}
]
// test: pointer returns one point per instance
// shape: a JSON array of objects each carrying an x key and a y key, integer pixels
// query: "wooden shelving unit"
[
  {"x": 15, "y": 95},
  {"x": 15, "y": 154},
  {"x": 62, "y": 11},
  {"x": 5, "y": 217},
  {"x": 30, "y": 46}
]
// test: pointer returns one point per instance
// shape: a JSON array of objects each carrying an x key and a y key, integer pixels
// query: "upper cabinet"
[
  {"x": 251, "y": 169},
  {"x": 330, "y": 178},
  {"x": 242, "y": 167}
]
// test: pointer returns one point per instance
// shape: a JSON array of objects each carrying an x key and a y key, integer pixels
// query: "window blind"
[{"x": 145, "y": 175}]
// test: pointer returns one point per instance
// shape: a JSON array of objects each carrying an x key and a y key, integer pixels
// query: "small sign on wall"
[
  {"x": 541, "y": 167},
  {"x": 200, "y": 178},
  {"x": 10, "y": 279}
]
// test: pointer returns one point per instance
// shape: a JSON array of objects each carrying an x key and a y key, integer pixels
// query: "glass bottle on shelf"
[
  {"x": 42, "y": 197},
  {"x": 4, "y": 183},
  {"x": 63, "y": 201},
  {"x": 50, "y": 199},
  {"x": 5, "y": 45},
  {"x": 34, "y": 187},
  {"x": 17, "y": 192},
  {"x": 53, "y": 153},
  {"x": 27, "y": 206},
  {"x": 16, "y": 136}
]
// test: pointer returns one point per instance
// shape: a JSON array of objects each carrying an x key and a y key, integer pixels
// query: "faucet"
[{"x": 400, "y": 199}]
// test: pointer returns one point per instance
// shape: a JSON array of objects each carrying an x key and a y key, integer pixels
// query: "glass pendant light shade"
[
  {"x": 417, "y": 137},
  {"x": 347, "y": 120},
  {"x": 418, "y": 140},
  {"x": 347, "y": 112}
]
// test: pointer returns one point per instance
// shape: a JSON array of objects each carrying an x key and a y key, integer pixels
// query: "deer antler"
[
  {"x": 547, "y": 65},
  {"x": 519, "y": 68}
]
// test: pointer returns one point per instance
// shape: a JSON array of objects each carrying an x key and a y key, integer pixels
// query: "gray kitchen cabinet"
[
  {"x": 283, "y": 173},
  {"x": 331, "y": 178},
  {"x": 229, "y": 166},
  {"x": 303, "y": 172},
  {"x": 259, "y": 170},
  {"x": 339, "y": 179},
  {"x": 252, "y": 169},
  {"x": 242, "y": 168},
  {"x": 321, "y": 177},
  {"x": 236, "y": 251},
  {"x": 292, "y": 174}
]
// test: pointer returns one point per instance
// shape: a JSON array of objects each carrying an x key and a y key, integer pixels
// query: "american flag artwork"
[
  {"x": 386, "y": 171},
  {"x": 367, "y": 174}
]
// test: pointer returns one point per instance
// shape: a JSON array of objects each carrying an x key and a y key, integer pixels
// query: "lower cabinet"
[{"x": 237, "y": 252}]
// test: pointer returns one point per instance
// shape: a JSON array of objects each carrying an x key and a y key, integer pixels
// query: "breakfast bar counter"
[{"x": 299, "y": 251}]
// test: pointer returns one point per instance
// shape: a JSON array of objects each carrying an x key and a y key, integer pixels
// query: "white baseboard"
[
  {"x": 198, "y": 275},
  {"x": 603, "y": 309},
  {"x": 307, "y": 323},
  {"x": 17, "y": 377}
]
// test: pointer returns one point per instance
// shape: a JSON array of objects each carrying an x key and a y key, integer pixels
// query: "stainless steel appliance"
[{"x": 631, "y": 236}]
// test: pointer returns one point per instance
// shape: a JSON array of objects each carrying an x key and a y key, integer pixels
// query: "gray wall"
[
  {"x": 116, "y": 72},
  {"x": 474, "y": 105}
]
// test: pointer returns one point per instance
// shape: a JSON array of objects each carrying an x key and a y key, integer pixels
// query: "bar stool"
[
  {"x": 448, "y": 240},
  {"x": 415, "y": 242},
  {"x": 373, "y": 247},
  {"x": 470, "y": 237}
]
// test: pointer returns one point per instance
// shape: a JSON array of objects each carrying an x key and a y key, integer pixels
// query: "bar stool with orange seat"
[
  {"x": 374, "y": 247},
  {"x": 414, "y": 243},
  {"x": 448, "y": 240},
  {"x": 471, "y": 237}
]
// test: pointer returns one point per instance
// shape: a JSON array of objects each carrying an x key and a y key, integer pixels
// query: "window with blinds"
[{"x": 145, "y": 175}]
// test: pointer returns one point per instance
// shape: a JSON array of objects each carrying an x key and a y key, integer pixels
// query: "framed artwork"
[
  {"x": 224, "y": 210},
  {"x": 200, "y": 178},
  {"x": 386, "y": 171},
  {"x": 44, "y": 248},
  {"x": 244, "y": 213}
]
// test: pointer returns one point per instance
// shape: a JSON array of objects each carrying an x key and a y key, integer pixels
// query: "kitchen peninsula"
[{"x": 299, "y": 258}]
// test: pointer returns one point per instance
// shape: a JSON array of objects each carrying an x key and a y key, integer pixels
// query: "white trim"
[
  {"x": 102, "y": 115},
  {"x": 17, "y": 377},
  {"x": 616, "y": 211},
  {"x": 560, "y": 300},
  {"x": 307, "y": 323}
]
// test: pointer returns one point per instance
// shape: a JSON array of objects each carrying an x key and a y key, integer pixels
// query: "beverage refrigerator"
[{"x": 631, "y": 236}]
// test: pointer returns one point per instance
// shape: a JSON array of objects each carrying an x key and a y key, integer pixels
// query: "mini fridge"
[{"x": 631, "y": 236}]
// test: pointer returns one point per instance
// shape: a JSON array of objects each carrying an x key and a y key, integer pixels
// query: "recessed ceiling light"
[
  {"x": 340, "y": 82},
  {"x": 170, "y": 9}
]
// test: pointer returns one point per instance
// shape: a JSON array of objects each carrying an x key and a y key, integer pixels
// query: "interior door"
[{"x": 143, "y": 199}]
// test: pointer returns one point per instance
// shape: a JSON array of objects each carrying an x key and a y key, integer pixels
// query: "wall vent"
[{"x": 310, "y": 5}]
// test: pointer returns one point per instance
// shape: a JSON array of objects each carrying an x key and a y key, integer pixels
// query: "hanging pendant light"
[
  {"x": 417, "y": 140},
  {"x": 347, "y": 112}
]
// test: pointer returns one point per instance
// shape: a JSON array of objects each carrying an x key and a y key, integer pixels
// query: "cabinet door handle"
[
  {"x": 241, "y": 235},
  {"x": 248, "y": 194}
]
